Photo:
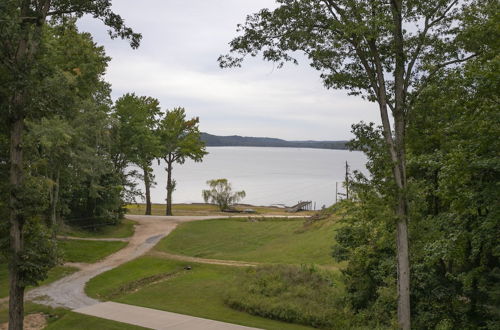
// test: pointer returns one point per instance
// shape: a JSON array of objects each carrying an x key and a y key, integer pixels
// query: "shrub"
[{"x": 296, "y": 294}]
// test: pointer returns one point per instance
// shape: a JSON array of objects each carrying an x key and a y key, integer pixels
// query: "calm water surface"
[{"x": 268, "y": 175}]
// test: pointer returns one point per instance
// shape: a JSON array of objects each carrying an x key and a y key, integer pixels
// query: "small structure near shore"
[{"x": 300, "y": 206}]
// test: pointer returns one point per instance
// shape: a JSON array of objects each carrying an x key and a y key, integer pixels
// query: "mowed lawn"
[
  {"x": 286, "y": 241},
  {"x": 88, "y": 251},
  {"x": 165, "y": 285}
]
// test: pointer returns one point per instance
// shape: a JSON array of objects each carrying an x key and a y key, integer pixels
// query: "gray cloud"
[{"x": 176, "y": 63}]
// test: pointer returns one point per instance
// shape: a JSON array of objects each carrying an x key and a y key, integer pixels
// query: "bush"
[{"x": 296, "y": 294}]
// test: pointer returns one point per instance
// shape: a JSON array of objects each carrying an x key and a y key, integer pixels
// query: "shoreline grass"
[{"x": 209, "y": 209}]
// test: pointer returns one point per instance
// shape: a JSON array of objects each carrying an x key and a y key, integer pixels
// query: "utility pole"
[{"x": 346, "y": 180}]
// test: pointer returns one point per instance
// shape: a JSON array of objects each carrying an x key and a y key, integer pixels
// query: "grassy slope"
[
  {"x": 206, "y": 209},
  {"x": 269, "y": 241},
  {"x": 199, "y": 292},
  {"x": 123, "y": 230},
  {"x": 88, "y": 251}
]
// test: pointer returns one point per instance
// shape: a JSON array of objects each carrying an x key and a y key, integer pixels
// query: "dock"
[{"x": 300, "y": 206}]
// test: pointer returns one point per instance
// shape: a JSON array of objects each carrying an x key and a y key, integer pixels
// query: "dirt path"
[
  {"x": 68, "y": 292},
  {"x": 234, "y": 263}
]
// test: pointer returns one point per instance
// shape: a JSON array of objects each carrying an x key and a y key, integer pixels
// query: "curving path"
[{"x": 68, "y": 292}]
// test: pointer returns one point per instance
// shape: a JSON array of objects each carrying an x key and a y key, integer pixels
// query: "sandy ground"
[
  {"x": 68, "y": 292},
  {"x": 36, "y": 321}
]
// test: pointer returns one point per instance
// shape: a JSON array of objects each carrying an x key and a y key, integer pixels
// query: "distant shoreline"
[{"x": 249, "y": 141}]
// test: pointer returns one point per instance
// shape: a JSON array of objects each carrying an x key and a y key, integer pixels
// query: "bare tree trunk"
[
  {"x": 403, "y": 258},
  {"x": 54, "y": 202},
  {"x": 147, "y": 184},
  {"x": 16, "y": 293},
  {"x": 170, "y": 188}
]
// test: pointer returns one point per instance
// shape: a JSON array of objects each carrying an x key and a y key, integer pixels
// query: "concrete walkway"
[{"x": 154, "y": 319}]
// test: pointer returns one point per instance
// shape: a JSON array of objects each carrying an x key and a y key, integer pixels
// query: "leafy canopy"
[{"x": 180, "y": 138}]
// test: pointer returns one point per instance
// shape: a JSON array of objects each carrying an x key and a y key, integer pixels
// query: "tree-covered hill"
[{"x": 246, "y": 141}]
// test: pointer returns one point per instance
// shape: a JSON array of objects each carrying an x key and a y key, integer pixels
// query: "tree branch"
[{"x": 435, "y": 70}]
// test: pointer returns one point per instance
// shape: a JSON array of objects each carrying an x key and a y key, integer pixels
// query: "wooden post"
[
  {"x": 336, "y": 191},
  {"x": 346, "y": 180}
]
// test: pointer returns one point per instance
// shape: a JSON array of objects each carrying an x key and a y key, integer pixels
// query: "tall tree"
[
  {"x": 180, "y": 140},
  {"x": 137, "y": 119},
  {"x": 384, "y": 51},
  {"x": 23, "y": 22}
]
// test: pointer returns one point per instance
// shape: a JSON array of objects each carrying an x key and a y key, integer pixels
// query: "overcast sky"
[{"x": 177, "y": 64}]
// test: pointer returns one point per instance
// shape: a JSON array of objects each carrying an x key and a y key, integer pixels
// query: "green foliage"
[
  {"x": 453, "y": 173},
  {"x": 351, "y": 43},
  {"x": 180, "y": 140},
  {"x": 68, "y": 141},
  {"x": 304, "y": 295},
  {"x": 40, "y": 253},
  {"x": 180, "y": 137},
  {"x": 122, "y": 230},
  {"x": 134, "y": 134},
  {"x": 221, "y": 194}
]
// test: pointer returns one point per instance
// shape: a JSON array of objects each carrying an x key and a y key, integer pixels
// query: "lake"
[{"x": 268, "y": 175}]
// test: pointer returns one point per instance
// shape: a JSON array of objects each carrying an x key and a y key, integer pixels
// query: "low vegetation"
[
  {"x": 287, "y": 241},
  {"x": 122, "y": 230},
  {"x": 297, "y": 294},
  {"x": 221, "y": 194}
]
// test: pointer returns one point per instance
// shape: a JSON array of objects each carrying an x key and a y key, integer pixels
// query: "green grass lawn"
[
  {"x": 88, "y": 251},
  {"x": 207, "y": 209},
  {"x": 269, "y": 241},
  {"x": 198, "y": 292},
  {"x": 122, "y": 230}
]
